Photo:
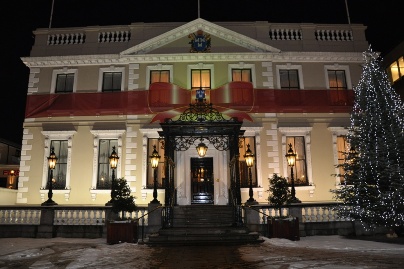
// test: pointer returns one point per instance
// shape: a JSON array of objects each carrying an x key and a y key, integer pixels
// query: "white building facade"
[{"x": 94, "y": 88}]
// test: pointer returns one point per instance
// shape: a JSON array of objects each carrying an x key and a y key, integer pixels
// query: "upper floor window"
[
  {"x": 64, "y": 80},
  {"x": 337, "y": 80},
  {"x": 200, "y": 78},
  {"x": 159, "y": 76},
  {"x": 289, "y": 79},
  {"x": 396, "y": 69},
  {"x": 241, "y": 75},
  {"x": 60, "y": 171},
  {"x": 337, "y": 77},
  {"x": 64, "y": 83},
  {"x": 289, "y": 76},
  {"x": 112, "y": 81}
]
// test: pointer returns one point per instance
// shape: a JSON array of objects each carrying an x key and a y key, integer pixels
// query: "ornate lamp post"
[
  {"x": 52, "y": 164},
  {"x": 249, "y": 160},
  {"x": 291, "y": 158},
  {"x": 154, "y": 160},
  {"x": 113, "y": 162}
]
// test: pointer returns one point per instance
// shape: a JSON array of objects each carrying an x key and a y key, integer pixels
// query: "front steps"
[{"x": 203, "y": 225}]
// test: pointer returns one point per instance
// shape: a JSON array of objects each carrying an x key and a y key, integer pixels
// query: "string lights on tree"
[{"x": 374, "y": 167}]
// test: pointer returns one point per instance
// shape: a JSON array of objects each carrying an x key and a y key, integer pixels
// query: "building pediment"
[{"x": 182, "y": 36}]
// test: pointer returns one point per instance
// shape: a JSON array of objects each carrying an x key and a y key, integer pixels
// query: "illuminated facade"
[{"x": 95, "y": 88}]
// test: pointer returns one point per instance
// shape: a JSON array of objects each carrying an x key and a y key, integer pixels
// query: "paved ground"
[{"x": 310, "y": 252}]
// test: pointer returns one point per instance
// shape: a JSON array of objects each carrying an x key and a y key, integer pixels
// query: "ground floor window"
[
  {"x": 244, "y": 144},
  {"x": 104, "y": 177},
  {"x": 59, "y": 173},
  {"x": 300, "y": 168},
  {"x": 158, "y": 145}
]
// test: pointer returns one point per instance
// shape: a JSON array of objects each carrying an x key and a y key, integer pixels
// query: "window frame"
[
  {"x": 158, "y": 67},
  {"x": 63, "y": 71},
  {"x": 56, "y": 135},
  {"x": 111, "y": 69},
  {"x": 200, "y": 66},
  {"x": 105, "y": 134},
  {"x": 290, "y": 67},
  {"x": 336, "y": 132},
  {"x": 337, "y": 67},
  {"x": 242, "y": 65},
  {"x": 298, "y": 131}
]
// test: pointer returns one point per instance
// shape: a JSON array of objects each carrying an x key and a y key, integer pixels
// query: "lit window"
[
  {"x": 160, "y": 169},
  {"x": 289, "y": 79},
  {"x": 104, "y": 176},
  {"x": 112, "y": 81},
  {"x": 244, "y": 177},
  {"x": 200, "y": 78},
  {"x": 60, "y": 171},
  {"x": 300, "y": 168},
  {"x": 342, "y": 147},
  {"x": 241, "y": 75},
  {"x": 337, "y": 79},
  {"x": 159, "y": 76},
  {"x": 64, "y": 83},
  {"x": 396, "y": 69}
]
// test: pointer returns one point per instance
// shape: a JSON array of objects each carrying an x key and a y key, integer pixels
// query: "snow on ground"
[{"x": 309, "y": 252}]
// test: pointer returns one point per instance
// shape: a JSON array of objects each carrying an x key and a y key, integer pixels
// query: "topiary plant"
[
  {"x": 121, "y": 198},
  {"x": 279, "y": 192}
]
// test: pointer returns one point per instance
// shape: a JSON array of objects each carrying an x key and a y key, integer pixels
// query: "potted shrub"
[
  {"x": 120, "y": 228},
  {"x": 279, "y": 195}
]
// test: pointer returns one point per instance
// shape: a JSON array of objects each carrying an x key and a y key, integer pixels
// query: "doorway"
[{"x": 202, "y": 183}]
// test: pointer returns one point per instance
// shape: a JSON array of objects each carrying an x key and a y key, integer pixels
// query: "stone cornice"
[
  {"x": 194, "y": 26},
  {"x": 108, "y": 59}
]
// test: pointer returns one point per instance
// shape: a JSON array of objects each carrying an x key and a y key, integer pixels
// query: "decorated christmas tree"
[{"x": 373, "y": 192}]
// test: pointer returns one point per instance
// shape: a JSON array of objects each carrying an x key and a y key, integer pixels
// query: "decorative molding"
[
  {"x": 281, "y": 57},
  {"x": 194, "y": 26}
]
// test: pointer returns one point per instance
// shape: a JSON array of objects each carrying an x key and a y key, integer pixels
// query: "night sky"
[{"x": 383, "y": 18}]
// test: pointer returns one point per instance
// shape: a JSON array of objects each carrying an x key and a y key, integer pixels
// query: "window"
[
  {"x": 241, "y": 75},
  {"x": 342, "y": 147},
  {"x": 200, "y": 78},
  {"x": 160, "y": 169},
  {"x": 289, "y": 76},
  {"x": 289, "y": 79},
  {"x": 104, "y": 175},
  {"x": 159, "y": 76},
  {"x": 396, "y": 69},
  {"x": 112, "y": 81},
  {"x": 336, "y": 79},
  {"x": 62, "y": 142},
  {"x": 244, "y": 173},
  {"x": 64, "y": 83},
  {"x": 300, "y": 168},
  {"x": 59, "y": 173}
]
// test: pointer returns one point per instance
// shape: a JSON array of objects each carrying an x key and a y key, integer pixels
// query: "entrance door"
[{"x": 202, "y": 188}]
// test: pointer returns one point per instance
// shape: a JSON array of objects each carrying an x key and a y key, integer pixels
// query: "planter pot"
[
  {"x": 284, "y": 228},
  {"x": 119, "y": 232}
]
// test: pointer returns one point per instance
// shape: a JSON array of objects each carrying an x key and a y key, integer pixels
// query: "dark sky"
[{"x": 383, "y": 18}]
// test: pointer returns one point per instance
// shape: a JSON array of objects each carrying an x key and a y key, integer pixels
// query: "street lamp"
[
  {"x": 154, "y": 160},
  {"x": 113, "y": 162},
  {"x": 52, "y": 164},
  {"x": 249, "y": 160},
  {"x": 291, "y": 158}
]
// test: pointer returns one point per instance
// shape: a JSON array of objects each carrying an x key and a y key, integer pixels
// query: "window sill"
[
  {"x": 44, "y": 193},
  {"x": 310, "y": 189},
  {"x": 258, "y": 190},
  {"x": 147, "y": 192},
  {"x": 94, "y": 193}
]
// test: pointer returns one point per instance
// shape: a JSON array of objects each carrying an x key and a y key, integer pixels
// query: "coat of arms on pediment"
[{"x": 200, "y": 42}]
